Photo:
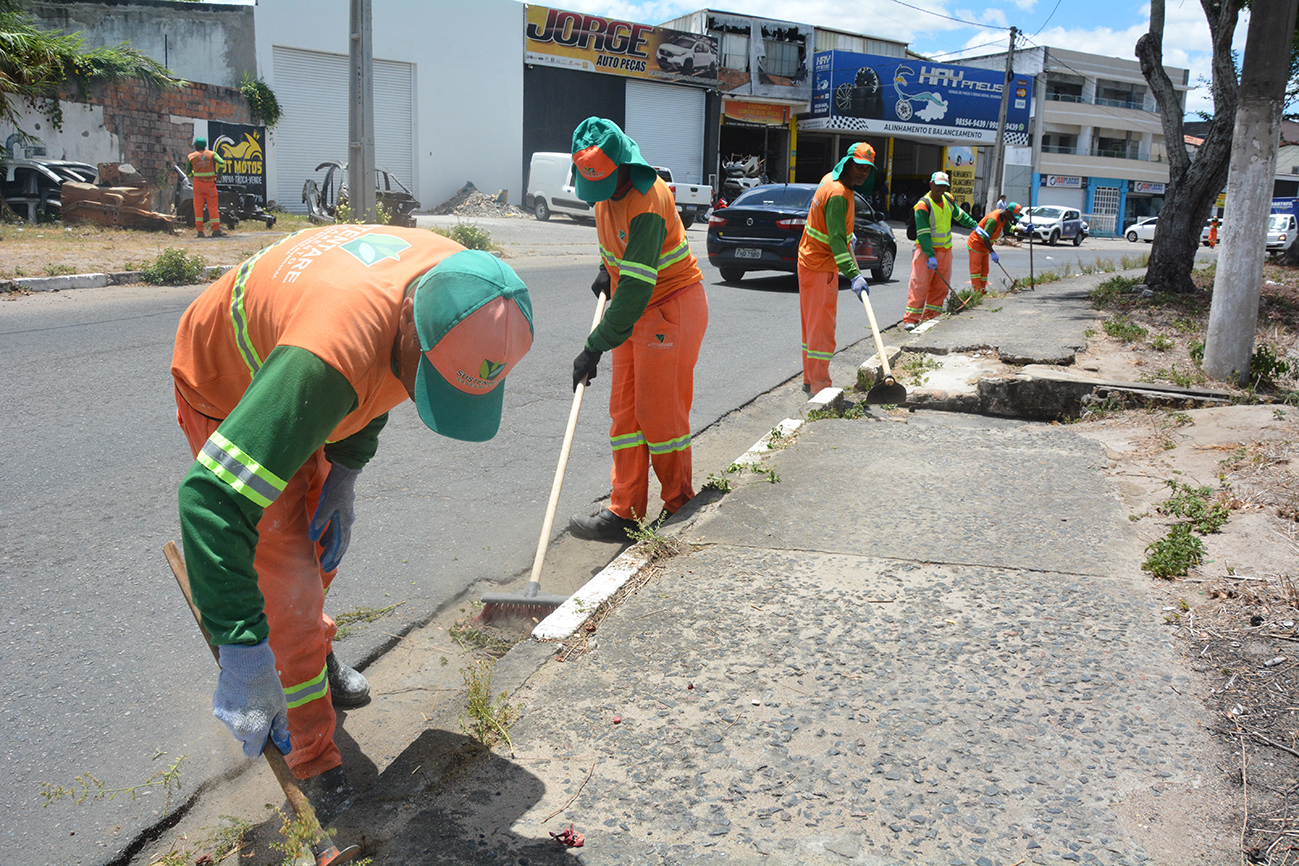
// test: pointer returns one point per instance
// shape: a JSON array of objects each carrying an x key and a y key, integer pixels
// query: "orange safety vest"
[
  {"x": 677, "y": 267},
  {"x": 335, "y": 291},
  {"x": 814, "y": 248},
  {"x": 202, "y": 165},
  {"x": 991, "y": 224}
]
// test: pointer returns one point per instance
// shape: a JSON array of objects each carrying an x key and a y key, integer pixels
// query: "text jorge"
[{"x": 576, "y": 30}]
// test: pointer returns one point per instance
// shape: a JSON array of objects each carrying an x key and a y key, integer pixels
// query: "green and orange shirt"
[
  {"x": 290, "y": 352},
  {"x": 830, "y": 219},
  {"x": 643, "y": 246},
  {"x": 203, "y": 165}
]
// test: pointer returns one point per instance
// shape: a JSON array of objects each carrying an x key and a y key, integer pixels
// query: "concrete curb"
[
  {"x": 87, "y": 281},
  {"x": 566, "y": 619}
]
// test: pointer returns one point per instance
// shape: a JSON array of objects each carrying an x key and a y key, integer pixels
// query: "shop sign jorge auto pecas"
[{"x": 595, "y": 43}]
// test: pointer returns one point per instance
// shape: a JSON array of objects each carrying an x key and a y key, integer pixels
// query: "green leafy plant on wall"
[{"x": 262, "y": 103}]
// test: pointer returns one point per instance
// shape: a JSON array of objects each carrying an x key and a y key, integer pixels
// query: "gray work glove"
[
  {"x": 250, "y": 699},
  {"x": 334, "y": 514}
]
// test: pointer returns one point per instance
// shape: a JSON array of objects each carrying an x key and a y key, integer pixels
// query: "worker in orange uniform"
[
  {"x": 981, "y": 240},
  {"x": 203, "y": 166},
  {"x": 654, "y": 325},
  {"x": 825, "y": 252},
  {"x": 931, "y": 261},
  {"x": 1213, "y": 233},
  {"x": 285, "y": 369}
]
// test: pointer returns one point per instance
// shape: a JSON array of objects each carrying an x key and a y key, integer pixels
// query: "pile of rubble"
[
  {"x": 469, "y": 201},
  {"x": 120, "y": 197}
]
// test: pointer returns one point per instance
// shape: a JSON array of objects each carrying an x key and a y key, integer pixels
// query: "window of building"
[
  {"x": 1059, "y": 142},
  {"x": 1063, "y": 91},
  {"x": 781, "y": 59},
  {"x": 1119, "y": 94},
  {"x": 1119, "y": 148},
  {"x": 735, "y": 51}
]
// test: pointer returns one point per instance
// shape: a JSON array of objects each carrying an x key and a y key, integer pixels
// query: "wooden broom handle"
[
  {"x": 875, "y": 331},
  {"x": 558, "y": 483}
]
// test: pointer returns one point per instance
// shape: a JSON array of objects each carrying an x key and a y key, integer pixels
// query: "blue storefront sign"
[{"x": 915, "y": 99}]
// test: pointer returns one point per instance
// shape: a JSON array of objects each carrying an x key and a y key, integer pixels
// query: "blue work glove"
[
  {"x": 993, "y": 253},
  {"x": 983, "y": 234},
  {"x": 859, "y": 285},
  {"x": 584, "y": 367},
  {"x": 932, "y": 263},
  {"x": 250, "y": 699},
  {"x": 334, "y": 514},
  {"x": 1029, "y": 227}
]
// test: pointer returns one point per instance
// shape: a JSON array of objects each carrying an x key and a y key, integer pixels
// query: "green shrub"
[
  {"x": 1196, "y": 504},
  {"x": 173, "y": 268},
  {"x": 1265, "y": 367},
  {"x": 1124, "y": 329},
  {"x": 1174, "y": 554},
  {"x": 1108, "y": 292},
  {"x": 469, "y": 235},
  {"x": 1197, "y": 352}
]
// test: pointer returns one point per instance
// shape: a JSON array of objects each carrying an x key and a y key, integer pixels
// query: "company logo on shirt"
[
  {"x": 622, "y": 235},
  {"x": 372, "y": 249},
  {"x": 490, "y": 369},
  {"x": 659, "y": 337}
]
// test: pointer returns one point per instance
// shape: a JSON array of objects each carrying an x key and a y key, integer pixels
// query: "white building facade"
[{"x": 1098, "y": 142}]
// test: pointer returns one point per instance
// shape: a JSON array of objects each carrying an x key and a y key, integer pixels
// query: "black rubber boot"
[
  {"x": 329, "y": 794},
  {"x": 602, "y": 526},
  {"x": 347, "y": 687}
]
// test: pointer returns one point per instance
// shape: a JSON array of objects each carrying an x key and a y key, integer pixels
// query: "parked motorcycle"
[{"x": 742, "y": 173}]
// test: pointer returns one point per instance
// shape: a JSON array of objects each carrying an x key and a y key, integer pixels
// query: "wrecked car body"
[{"x": 323, "y": 198}]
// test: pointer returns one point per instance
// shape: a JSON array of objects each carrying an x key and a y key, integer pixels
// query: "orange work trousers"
[
  {"x": 927, "y": 289},
  {"x": 205, "y": 194},
  {"x": 979, "y": 263},
  {"x": 294, "y": 586},
  {"x": 649, "y": 403},
  {"x": 818, "y": 303}
]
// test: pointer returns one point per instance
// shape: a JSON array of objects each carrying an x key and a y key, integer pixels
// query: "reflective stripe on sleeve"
[
  {"x": 674, "y": 255},
  {"x": 313, "y": 689},
  {"x": 637, "y": 271},
  {"x": 240, "y": 471},
  {"x": 817, "y": 235}
]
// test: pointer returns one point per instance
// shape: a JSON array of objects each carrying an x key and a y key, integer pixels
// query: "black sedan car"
[{"x": 760, "y": 231}]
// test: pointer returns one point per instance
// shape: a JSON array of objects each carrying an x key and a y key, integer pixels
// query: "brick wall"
[{"x": 141, "y": 117}]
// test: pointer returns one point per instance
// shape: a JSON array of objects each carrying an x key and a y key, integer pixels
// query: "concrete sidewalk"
[{"x": 922, "y": 637}]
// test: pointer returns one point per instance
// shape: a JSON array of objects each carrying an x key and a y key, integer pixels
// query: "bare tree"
[
  {"x": 1238, "y": 280},
  {"x": 1192, "y": 184}
]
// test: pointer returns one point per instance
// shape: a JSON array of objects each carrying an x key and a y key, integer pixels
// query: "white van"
[{"x": 550, "y": 187}]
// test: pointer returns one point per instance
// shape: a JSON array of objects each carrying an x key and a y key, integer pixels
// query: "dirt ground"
[
  {"x": 52, "y": 249},
  {"x": 1234, "y": 616}
]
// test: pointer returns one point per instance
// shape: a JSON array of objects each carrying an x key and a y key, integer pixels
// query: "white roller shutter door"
[
  {"x": 312, "y": 90},
  {"x": 667, "y": 122},
  {"x": 1062, "y": 197}
]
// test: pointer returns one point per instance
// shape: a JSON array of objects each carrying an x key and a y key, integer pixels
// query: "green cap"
[
  {"x": 473, "y": 316},
  {"x": 200, "y": 143},
  {"x": 860, "y": 153},
  {"x": 599, "y": 148}
]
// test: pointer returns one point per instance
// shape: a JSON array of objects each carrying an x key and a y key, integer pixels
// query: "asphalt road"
[{"x": 103, "y": 670}]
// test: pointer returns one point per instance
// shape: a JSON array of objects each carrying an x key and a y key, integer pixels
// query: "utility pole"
[
  {"x": 999, "y": 149},
  {"x": 1238, "y": 280},
  {"x": 360, "y": 115}
]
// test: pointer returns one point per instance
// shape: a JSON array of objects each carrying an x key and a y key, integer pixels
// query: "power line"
[
  {"x": 970, "y": 48},
  {"x": 1048, "y": 19},
  {"x": 949, "y": 17}
]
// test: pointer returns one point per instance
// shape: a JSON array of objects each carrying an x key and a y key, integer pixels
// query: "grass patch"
[
  {"x": 88, "y": 787},
  {"x": 486, "y": 719},
  {"x": 173, "y": 268},
  {"x": 1124, "y": 330},
  {"x": 344, "y": 621},
  {"x": 469, "y": 235},
  {"x": 914, "y": 367},
  {"x": 59, "y": 270},
  {"x": 1175, "y": 554},
  {"x": 1197, "y": 505},
  {"x": 1105, "y": 294},
  {"x": 471, "y": 638}
]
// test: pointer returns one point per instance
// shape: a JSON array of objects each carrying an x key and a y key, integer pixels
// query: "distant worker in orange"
[
  {"x": 654, "y": 326},
  {"x": 825, "y": 252},
  {"x": 981, "y": 240},
  {"x": 1213, "y": 233},
  {"x": 202, "y": 168}
]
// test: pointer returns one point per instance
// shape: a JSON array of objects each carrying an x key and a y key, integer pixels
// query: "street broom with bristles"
[{"x": 531, "y": 604}]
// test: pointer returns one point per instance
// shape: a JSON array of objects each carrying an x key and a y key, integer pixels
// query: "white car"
[
  {"x": 1142, "y": 230},
  {"x": 689, "y": 55},
  {"x": 1280, "y": 232},
  {"x": 1052, "y": 224}
]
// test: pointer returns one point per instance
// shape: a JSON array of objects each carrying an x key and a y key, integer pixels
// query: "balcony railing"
[
  {"x": 1120, "y": 103},
  {"x": 1059, "y": 148},
  {"x": 1098, "y": 100},
  {"x": 1063, "y": 97},
  {"x": 1120, "y": 153}
]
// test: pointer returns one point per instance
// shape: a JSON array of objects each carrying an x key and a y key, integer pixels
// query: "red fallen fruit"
[
  {"x": 617, "y": 720},
  {"x": 569, "y": 838}
]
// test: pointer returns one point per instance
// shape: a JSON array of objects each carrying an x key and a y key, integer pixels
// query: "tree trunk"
[
  {"x": 1192, "y": 184},
  {"x": 1238, "y": 282}
]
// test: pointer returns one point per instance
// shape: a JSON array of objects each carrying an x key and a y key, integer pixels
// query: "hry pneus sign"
[{"x": 916, "y": 98}]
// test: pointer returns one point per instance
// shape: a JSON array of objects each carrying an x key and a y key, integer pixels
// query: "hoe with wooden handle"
[{"x": 322, "y": 847}]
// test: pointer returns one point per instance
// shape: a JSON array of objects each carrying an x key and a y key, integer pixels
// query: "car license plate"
[{"x": 747, "y": 253}]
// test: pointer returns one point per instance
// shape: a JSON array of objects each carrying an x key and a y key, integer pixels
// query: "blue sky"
[{"x": 1107, "y": 27}]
